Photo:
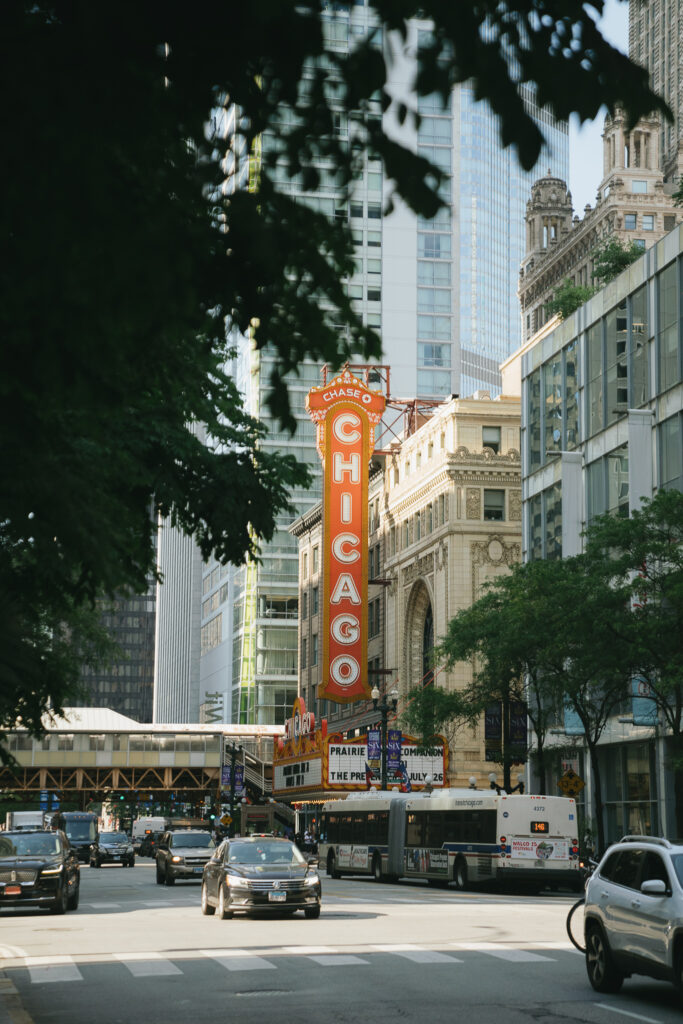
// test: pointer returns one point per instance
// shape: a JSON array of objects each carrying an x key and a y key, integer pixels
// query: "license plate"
[
  {"x": 12, "y": 890},
  {"x": 277, "y": 897},
  {"x": 198, "y": 871}
]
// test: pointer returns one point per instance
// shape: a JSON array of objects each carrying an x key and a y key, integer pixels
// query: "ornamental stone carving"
[
  {"x": 515, "y": 504},
  {"x": 420, "y": 567},
  {"x": 473, "y": 503}
]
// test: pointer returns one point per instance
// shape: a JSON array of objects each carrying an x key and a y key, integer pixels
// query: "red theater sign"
[{"x": 345, "y": 412}]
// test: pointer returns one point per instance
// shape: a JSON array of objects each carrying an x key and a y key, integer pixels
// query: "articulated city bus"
[{"x": 463, "y": 836}]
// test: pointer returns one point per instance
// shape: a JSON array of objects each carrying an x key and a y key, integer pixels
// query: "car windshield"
[
  {"x": 30, "y": 845},
  {"x": 264, "y": 853},
  {"x": 113, "y": 837},
  {"x": 194, "y": 839}
]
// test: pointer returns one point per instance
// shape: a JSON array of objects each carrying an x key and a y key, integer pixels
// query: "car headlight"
[
  {"x": 311, "y": 880},
  {"x": 53, "y": 871},
  {"x": 176, "y": 860},
  {"x": 236, "y": 883}
]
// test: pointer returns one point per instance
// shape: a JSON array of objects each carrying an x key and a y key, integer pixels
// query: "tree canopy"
[
  {"x": 613, "y": 256},
  {"x": 129, "y": 239},
  {"x": 568, "y": 297}
]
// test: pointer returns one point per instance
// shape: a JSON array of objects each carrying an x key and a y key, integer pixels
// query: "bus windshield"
[{"x": 80, "y": 831}]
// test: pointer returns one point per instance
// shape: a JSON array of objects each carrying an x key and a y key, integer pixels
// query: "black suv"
[
  {"x": 38, "y": 869},
  {"x": 182, "y": 855},
  {"x": 112, "y": 848}
]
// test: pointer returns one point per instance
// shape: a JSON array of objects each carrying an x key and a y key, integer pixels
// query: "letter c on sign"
[
  {"x": 345, "y": 629},
  {"x": 345, "y": 670},
  {"x": 347, "y": 419},
  {"x": 338, "y": 545}
]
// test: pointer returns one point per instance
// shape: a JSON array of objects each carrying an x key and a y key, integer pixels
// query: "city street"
[{"x": 135, "y": 951}]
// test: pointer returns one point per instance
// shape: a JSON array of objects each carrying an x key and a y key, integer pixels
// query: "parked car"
[
  {"x": 260, "y": 873},
  {"x": 38, "y": 869},
  {"x": 148, "y": 844},
  {"x": 633, "y": 915},
  {"x": 182, "y": 855},
  {"x": 112, "y": 848}
]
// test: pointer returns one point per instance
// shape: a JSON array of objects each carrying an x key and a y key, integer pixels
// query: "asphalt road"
[{"x": 138, "y": 952}]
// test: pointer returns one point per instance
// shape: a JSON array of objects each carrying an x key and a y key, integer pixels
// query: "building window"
[
  {"x": 314, "y": 609},
  {"x": 304, "y": 565},
  {"x": 639, "y": 243},
  {"x": 595, "y": 379},
  {"x": 304, "y": 653},
  {"x": 494, "y": 504},
  {"x": 669, "y": 327},
  {"x": 491, "y": 438},
  {"x": 433, "y": 355},
  {"x": 304, "y": 606},
  {"x": 374, "y": 617},
  {"x": 648, "y": 222},
  {"x": 671, "y": 453},
  {"x": 374, "y": 295},
  {"x": 616, "y": 368},
  {"x": 669, "y": 221},
  {"x": 629, "y": 222},
  {"x": 315, "y": 559},
  {"x": 374, "y": 211},
  {"x": 534, "y": 420},
  {"x": 356, "y": 209},
  {"x": 314, "y": 649},
  {"x": 639, "y": 187}
]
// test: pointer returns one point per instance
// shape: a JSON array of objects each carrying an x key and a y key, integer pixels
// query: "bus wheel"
[
  {"x": 331, "y": 869},
  {"x": 377, "y": 868},
  {"x": 460, "y": 874}
]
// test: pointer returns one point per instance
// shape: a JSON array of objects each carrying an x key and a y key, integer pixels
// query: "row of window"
[
  {"x": 118, "y": 742},
  {"x": 617, "y": 371}
]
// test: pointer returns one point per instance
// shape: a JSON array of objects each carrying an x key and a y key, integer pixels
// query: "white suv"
[{"x": 634, "y": 913}]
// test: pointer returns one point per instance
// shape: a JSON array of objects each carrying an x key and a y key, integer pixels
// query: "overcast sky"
[{"x": 585, "y": 144}]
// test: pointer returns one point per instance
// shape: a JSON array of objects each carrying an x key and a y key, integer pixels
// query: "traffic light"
[
  {"x": 212, "y": 816},
  {"x": 122, "y": 797}
]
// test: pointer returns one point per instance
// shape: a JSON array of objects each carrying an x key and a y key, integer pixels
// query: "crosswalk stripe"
[
  {"x": 57, "y": 968},
  {"x": 338, "y": 960},
  {"x": 147, "y": 965},
  {"x": 239, "y": 960},
  {"x": 428, "y": 956}
]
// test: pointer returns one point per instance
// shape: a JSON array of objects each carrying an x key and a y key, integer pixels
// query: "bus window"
[
  {"x": 414, "y": 830},
  {"x": 434, "y": 831},
  {"x": 345, "y": 828}
]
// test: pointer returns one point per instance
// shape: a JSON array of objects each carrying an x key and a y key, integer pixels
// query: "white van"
[{"x": 143, "y": 826}]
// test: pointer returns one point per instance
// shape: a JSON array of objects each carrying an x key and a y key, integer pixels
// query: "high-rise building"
[
  {"x": 127, "y": 684},
  {"x": 442, "y": 294},
  {"x": 655, "y": 30}
]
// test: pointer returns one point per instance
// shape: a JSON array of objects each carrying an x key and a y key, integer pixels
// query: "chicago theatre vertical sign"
[{"x": 346, "y": 413}]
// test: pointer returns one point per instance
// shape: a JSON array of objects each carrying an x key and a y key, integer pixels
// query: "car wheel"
[
  {"x": 312, "y": 912},
  {"x": 602, "y": 972},
  {"x": 331, "y": 866},
  {"x": 223, "y": 913},
  {"x": 207, "y": 909},
  {"x": 60, "y": 903},
  {"x": 168, "y": 878},
  {"x": 460, "y": 874},
  {"x": 377, "y": 868},
  {"x": 72, "y": 902}
]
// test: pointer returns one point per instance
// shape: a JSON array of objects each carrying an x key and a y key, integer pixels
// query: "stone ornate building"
[
  {"x": 444, "y": 518},
  {"x": 634, "y": 204}
]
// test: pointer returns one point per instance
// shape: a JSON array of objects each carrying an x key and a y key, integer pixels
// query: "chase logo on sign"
[{"x": 506, "y": 814}]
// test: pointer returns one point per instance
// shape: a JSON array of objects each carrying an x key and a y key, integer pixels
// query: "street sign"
[
  {"x": 226, "y": 820},
  {"x": 570, "y": 783}
]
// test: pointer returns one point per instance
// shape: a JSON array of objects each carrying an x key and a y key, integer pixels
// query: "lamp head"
[
  {"x": 492, "y": 776},
  {"x": 473, "y": 782},
  {"x": 374, "y": 693}
]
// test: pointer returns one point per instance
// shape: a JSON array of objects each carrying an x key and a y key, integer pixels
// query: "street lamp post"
[
  {"x": 384, "y": 707},
  {"x": 233, "y": 751}
]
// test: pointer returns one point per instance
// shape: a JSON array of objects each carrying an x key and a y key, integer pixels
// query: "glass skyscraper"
[{"x": 442, "y": 294}]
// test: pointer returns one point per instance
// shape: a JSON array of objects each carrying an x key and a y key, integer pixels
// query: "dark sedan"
[
  {"x": 38, "y": 869},
  {"x": 112, "y": 848},
  {"x": 260, "y": 874}
]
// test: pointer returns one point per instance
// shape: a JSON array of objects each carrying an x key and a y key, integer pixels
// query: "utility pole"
[
  {"x": 384, "y": 708},
  {"x": 233, "y": 751}
]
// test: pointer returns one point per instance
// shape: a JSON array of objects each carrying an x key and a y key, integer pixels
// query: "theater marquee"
[{"x": 346, "y": 413}]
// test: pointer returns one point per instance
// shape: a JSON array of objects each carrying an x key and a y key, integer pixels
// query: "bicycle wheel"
[{"x": 575, "y": 926}]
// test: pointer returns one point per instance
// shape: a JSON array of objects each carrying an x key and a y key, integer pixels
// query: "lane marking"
[
  {"x": 520, "y": 956},
  {"x": 627, "y": 1013}
]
